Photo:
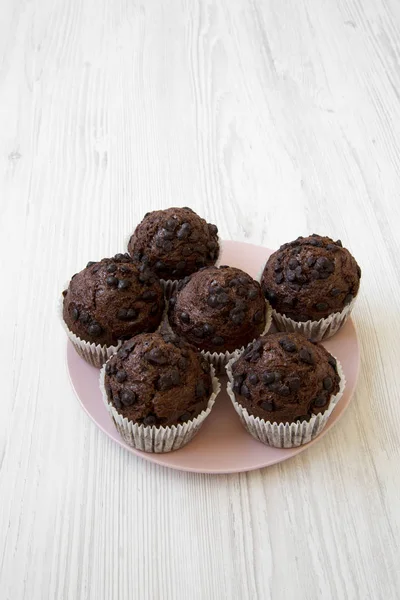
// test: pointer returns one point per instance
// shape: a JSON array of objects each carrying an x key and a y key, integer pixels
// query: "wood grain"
[{"x": 272, "y": 119}]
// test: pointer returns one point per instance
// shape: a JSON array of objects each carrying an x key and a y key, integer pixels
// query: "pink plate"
[{"x": 222, "y": 445}]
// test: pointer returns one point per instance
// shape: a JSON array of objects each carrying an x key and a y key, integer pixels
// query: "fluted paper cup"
[
  {"x": 315, "y": 330},
  {"x": 283, "y": 435},
  {"x": 95, "y": 354},
  {"x": 160, "y": 439}
]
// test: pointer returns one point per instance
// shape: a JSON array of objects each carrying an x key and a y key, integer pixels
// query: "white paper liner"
[
  {"x": 315, "y": 330},
  {"x": 95, "y": 354},
  {"x": 220, "y": 359},
  {"x": 283, "y": 435},
  {"x": 169, "y": 287},
  {"x": 158, "y": 439}
]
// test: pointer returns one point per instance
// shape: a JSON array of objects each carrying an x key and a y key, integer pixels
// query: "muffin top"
[
  {"x": 112, "y": 300},
  {"x": 218, "y": 309},
  {"x": 283, "y": 378},
  {"x": 158, "y": 379},
  {"x": 310, "y": 278},
  {"x": 174, "y": 242}
]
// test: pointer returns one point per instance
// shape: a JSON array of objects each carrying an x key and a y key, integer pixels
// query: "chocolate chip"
[
  {"x": 291, "y": 276},
  {"x": 237, "y": 383},
  {"x": 169, "y": 380},
  {"x": 327, "y": 383},
  {"x": 172, "y": 302},
  {"x": 119, "y": 256},
  {"x": 294, "y": 383},
  {"x": 271, "y": 296},
  {"x": 331, "y": 247},
  {"x": 212, "y": 245},
  {"x": 339, "y": 243},
  {"x": 233, "y": 283},
  {"x": 167, "y": 235},
  {"x": 128, "y": 397},
  {"x": 212, "y": 301},
  {"x": 121, "y": 376},
  {"x": 167, "y": 246},
  {"x": 90, "y": 263},
  {"x": 310, "y": 261},
  {"x": 268, "y": 377},
  {"x": 332, "y": 361},
  {"x": 185, "y": 417},
  {"x": 279, "y": 278},
  {"x": 258, "y": 316},
  {"x": 208, "y": 329},
  {"x": 321, "y": 263},
  {"x": 111, "y": 280},
  {"x": 314, "y": 274},
  {"x": 127, "y": 314},
  {"x": 171, "y": 224},
  {"x": 111, "y": 268},
  {"x": 348, "y": 299},
  {"x": 123, "y": 284},
  {"x": 198, "y": 332},
  {"x": 213, "y": 228},
  {"x": 358, "y": 271},
  {"x": 95, "y": 329},
  {"x": 75, "y": 314},
  {"x": 283, "y": 390},
  {"x": 253, "y": 378},
  {"x": 321, "y": 306},
  {"x": 223, "y": 298},
  {"x": 335, "y": 292},
  {"x": 182, "y": 363},
  {"x": 306, "y": 356},
  {"x": 293, "y": 263},
  {"x": 159, "y": 266},
  {"x": 288, "y": 345},
  {"x": 251, "y": 294},
  {"x": 194, "y": 236},
  {"x": 109, "y": 368},
  {"x": 320, "y": 401},
  {"x": 218, "y": 340},
  {"x": 244, "y": 391},
  {"x": 149, "y": 295},
  {"x": 237, "y": 317},
  {"x": 116, "y": 400},
  {"x": 156, "y": 357},
  {"x": 150, "y": 420},
  {"x": 200, "y": 389},
  {"x": 267, "y": 406},
  {"x": 184, "y": 317}
]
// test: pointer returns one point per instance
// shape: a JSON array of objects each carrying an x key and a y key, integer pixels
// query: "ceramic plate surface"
[{"x": 222, "y": 445}]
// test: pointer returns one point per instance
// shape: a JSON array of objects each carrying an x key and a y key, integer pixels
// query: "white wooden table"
[{"x": 272, "y": 119}]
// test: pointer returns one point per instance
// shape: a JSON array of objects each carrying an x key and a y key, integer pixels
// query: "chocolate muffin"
[
  {"x": 112, "y": 300},
  {"x": 218, "y": 309},
  {"x": 174, "y": 243},
  {"x": 158, "y": 379},
  {"x": 310, "y": 278},
  {"x": 284, "y": 378}
]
